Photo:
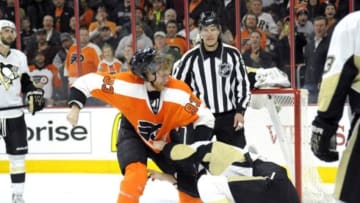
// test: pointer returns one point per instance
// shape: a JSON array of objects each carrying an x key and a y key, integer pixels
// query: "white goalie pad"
[{"x": 271, "y": 77}]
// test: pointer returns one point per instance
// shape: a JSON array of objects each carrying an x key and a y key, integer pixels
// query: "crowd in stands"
[{"x": 48, "y": 35}]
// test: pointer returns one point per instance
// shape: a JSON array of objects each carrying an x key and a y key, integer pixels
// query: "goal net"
[{"x": 286, "y": 124}]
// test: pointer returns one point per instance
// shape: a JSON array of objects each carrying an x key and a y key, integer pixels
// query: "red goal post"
[{"x": 297, "y": 128}]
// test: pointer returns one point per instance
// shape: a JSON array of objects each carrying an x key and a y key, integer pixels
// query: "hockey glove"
[
  {"x": 323, "y": 140},
  {"x": 36, "y": 100}
]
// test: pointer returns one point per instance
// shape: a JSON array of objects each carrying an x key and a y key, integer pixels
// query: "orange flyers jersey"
[
  {"x": 127, "y": 92},
  {"x": 89, "y": 59},
  {"x": 112, "y": 67}
]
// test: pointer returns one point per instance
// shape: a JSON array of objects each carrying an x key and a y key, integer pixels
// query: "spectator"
[
  {"x": 109, "y": 64},
  {"x": 330, "y": 14},
  {"x": 106, "y": 37},
  {"x": 26, "y": 32},
  {"x": 174, "y": 40},
  {"x": 86, "y": 14},
  {"x": 303, "y": 24},
  {"x": 9, "y": 11},
  {"x": 121, "y": 15},
  {"x": 101, "y": 21},
  {"x": 196, "y": 7},
  {"x": 45, "y": 76},
  {"x": 282, "y": 48},
  {"x": 36, "y": 10},
  {"x": 52, "y": 36},
  {"x": 140, "y": 16},
  {"x": 161, "y": 46},
  {"x": 39, "y": 44},
  {"x": 249, "y": 23},
  {"x": 315, "y": 9},
  {"x": 90, "y": 57},
  {"x": 170, "y": 14},
  {"x": 156, "y": 15},
  {"x": 59, "y": 61},
  {"x": 265, "y": 20},
  {"x": 128, "y": 54},
  {"x": 142, "y": 40},
  {"x": 228, "y": 17},
  {"x": 62, "y": 14},
  {"x": 256, "y": 56},
  {"x": 193, "y": 30},
  {"x": 72, "y": 25},
  {"x": 315, "y": 57}
]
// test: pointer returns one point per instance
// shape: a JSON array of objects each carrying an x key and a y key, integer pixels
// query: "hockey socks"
[{"x": 133, "y": 184}]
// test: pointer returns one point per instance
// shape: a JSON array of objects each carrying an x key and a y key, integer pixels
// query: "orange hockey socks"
[
  {"x": 133, "y": 184},
  {"x": 186, "y": 198}
]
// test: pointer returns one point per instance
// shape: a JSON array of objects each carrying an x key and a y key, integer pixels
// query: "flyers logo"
[
  {"x": 74, "y": 58},
  {"x": 148, "y": 130}
]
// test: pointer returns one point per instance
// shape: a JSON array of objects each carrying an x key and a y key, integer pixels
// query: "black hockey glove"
[
  {"x": 36, "y": 100},
  {"x": 323, "y": 140}
]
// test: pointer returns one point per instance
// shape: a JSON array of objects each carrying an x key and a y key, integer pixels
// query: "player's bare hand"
[
  {"x": 155, "y": 175},
  {"x": 159, "y": 144},
  {"x": 238, "y": 121},
  {"x": 73, "y": 115}
]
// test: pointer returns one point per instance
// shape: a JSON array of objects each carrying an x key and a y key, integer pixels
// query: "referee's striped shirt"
[{"x": 218, "y": 78}]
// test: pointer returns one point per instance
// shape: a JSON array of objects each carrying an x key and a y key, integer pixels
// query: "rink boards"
[{"x": 57, "y": 147}]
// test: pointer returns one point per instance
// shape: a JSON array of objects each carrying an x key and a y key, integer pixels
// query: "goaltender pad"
[{"x": 287, "y": 111}]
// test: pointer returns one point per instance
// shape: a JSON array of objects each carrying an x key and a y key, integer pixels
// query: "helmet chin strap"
[{"x": 152, "y": 82}]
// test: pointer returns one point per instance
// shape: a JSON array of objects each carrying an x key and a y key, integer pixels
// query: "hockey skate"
[{"x": 17, "y": 198}]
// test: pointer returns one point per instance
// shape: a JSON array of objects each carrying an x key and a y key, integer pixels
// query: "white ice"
[
  {"x": 82, "y": 188},
  {"x": 92, "y": 188}
]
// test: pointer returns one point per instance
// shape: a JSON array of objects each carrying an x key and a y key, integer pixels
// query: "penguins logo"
[{"x": 8, "y": 73}]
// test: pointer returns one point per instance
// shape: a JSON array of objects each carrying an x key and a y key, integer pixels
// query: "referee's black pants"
[{"x": 225, "y": 132}]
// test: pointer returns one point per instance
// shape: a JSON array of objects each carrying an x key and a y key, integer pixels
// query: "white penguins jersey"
[
  {"x": 344, "y": 49},
  {"x": 11, "y": 69}
]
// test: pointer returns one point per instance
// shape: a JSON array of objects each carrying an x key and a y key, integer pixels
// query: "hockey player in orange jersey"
[{"x": 152, "y": 104}]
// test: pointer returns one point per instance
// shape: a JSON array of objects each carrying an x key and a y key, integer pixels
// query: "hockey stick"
[{"x": 13, "y": 107}]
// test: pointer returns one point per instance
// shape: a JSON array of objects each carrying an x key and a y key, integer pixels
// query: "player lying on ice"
[
  {"x": 229, "y": 174},
  {"x": 152, "y": 103}
]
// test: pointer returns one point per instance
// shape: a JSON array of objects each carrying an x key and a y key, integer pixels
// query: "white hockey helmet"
[{"x": 6, "y": 23}]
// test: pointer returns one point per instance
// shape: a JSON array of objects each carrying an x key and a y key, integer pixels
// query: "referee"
[{"x": 216, "y": 73}]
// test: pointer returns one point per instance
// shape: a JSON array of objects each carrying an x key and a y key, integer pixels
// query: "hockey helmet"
[
  {"x": 143, "y": 62},
  {"x": 6, "y": 23},
  {"x": 208, "y": 18}
]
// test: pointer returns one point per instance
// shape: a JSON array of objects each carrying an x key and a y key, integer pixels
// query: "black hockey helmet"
[
  {"x": 143, "y": 62},
  {"x": 208, "y": 18}
]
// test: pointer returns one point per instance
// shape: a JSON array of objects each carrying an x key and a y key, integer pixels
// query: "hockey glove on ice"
[
  {"x": 36, "y": 100},
  {"x": 323, "y": 140}
]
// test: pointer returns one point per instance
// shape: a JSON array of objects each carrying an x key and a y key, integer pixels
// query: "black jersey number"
[{"x": 329, "y": 63}]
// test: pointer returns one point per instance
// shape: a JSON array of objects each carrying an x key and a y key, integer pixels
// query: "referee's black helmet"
[{"x": 208, "y": 18}]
